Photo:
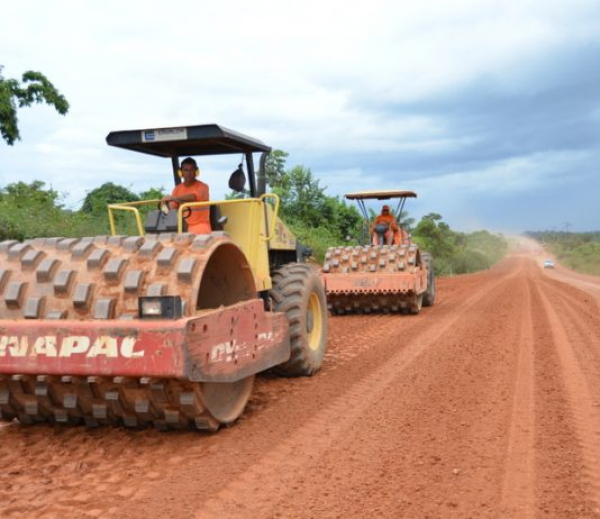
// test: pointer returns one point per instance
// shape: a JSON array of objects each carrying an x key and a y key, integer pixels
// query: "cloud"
[{"x": 476, "y": 104}]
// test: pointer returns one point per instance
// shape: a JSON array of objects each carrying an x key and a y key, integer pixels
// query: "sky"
[{"x": 489, "y": 110}]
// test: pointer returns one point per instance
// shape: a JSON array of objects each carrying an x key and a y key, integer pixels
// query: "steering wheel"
[{"x": 164, "y": 206}]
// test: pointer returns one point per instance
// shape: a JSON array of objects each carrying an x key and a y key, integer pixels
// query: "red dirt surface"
[{"x": 483, "y": 406}]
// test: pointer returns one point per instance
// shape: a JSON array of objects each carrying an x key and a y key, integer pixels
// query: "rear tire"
[
  {"x": 298, "y": 293},
  {"x": 417, "y": 303},
  {"x": 429, "y": 294}
]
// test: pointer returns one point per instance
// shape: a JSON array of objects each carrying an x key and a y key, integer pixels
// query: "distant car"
[{"x": 548, "y": 264}]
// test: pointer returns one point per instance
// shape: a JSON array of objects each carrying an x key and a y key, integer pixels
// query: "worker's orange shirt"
[{"x": 200, "y": 217}]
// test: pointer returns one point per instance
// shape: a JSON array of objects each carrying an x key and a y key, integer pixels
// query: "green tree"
[
  {"x": 317, "y": 220},
  {"x": 405, "y": 221},
  {"x": 435, "y": 236},
  {"x": 493, "y": 247},
  {"x": 29, "y": 196},
  {"x": 35, "y": 88},
  {"x": 345, "y": 220},
  {"x": 153, "y": 193},
  {"x": 465, "y": 261},
  {"x": 32, "y": 210},
  {"x": 275, "y": 168},
  {"x": 455, "y": 252},
  {"x": 98, "y": 199},
  {"x": 302, "y": 197}
]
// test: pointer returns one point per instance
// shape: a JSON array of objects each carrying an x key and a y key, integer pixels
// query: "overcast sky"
[{"x": 489, "y": 110}]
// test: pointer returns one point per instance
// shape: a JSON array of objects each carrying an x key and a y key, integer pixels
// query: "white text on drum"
[{"x": 71, "y": 345}]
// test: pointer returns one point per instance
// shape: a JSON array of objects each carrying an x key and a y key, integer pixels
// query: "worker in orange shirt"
[
  {"x": 191, "y": 190},
  {"x": 393, "y": 235}
]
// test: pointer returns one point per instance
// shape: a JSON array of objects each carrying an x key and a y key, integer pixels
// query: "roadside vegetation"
[
  {"x": 456, "y": 252},
  {"x": 577, "y": 251},
  {"x": 30, "y": 210}
]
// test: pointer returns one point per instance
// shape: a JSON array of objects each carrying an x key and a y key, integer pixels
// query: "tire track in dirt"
[
  {"x": 580, "y": 310},
  {"x": 256, "y": 492},
  {"x": 52, "y": 472},
  {"x": 450, "y": 406},
  {"x": 518, "y": 487},
  {"x": 587, "y": 283},
  {"x": 583, "y": 401},
  {"x": 76, "y": 472}
]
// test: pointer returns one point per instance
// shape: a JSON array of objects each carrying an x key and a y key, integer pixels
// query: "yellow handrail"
[
  {"x": 131, "y": 207},
  {"x": 189, "y": 205},
  {"x": 275, "y": 213}
]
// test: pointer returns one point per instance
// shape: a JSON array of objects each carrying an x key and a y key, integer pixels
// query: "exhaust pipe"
[{"x": 261, "y": 178}]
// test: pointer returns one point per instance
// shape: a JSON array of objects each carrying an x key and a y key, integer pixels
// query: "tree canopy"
[
  {"x": 97, "y": 199},
  {"x": 456, "y": 252},
  {"x": 33, "y": 88},
  {"x": 30, "y": 211},
  {"x": 317, "y": 220}
]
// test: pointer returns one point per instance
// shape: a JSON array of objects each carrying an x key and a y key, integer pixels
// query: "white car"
[{"x": 549, "y": 264}]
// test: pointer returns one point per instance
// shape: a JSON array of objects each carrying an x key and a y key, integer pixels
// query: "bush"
[
  {"x": 458, "y": 253},
  {"x": 578, "y": 251},
  {"x": 467, "y": 261}
]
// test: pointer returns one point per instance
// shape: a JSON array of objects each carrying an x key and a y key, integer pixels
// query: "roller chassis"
[
  {"x": 378, "y": 278},
  {"x": 74, "y": 348}
]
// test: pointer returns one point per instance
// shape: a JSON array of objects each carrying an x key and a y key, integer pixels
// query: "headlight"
[{"x": 160, "y": 307}]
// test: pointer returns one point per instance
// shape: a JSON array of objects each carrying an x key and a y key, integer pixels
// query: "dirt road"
[{"x": 486, "y": 405}]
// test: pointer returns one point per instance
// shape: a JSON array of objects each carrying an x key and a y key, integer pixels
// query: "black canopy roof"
[
  {"x": 380, "y": 195},
  {"x": 207, "y": 139}
]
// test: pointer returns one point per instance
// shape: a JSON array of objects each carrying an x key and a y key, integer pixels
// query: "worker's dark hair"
[{"x": 189, "y": 160}]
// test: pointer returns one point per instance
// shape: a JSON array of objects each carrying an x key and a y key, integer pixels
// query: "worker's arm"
[{"x": 188, "y": 197}]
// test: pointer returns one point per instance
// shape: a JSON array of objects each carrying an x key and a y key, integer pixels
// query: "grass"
[{"x": 584, "y": 258}]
